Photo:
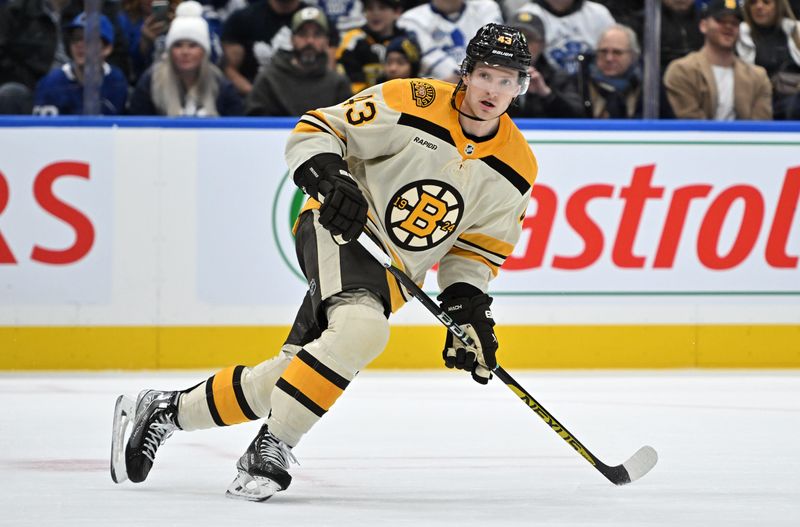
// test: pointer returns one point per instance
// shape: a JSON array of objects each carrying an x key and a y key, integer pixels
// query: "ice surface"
[{"x": 431, "y": 448}]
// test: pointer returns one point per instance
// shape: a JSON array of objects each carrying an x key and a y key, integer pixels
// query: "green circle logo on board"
[{"x": 286, "y": 207}]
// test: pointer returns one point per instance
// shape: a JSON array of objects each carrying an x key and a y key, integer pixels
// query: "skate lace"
[
  {"x": 276, "y": 451},
  {"x": 157, "y": 434}
]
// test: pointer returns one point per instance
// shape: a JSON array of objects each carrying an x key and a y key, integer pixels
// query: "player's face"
[
  {"x": 490, "y": 91},
  {"x": 186, "y": 56}
]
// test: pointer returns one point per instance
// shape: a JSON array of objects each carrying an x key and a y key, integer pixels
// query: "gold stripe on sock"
[
  {"x": 225, "y": 400},
  {"x": 312, "y": 384}
]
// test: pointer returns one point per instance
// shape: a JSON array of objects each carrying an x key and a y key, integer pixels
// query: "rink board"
[
  {"x": 410, "y": 347},
  {"x": 149, "y": 243}
]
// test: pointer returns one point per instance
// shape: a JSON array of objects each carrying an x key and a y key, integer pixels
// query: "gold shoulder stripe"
[
  {"x": 304, "y": 127},
  {"x": 425, "y": 99},
  {"x": 515, "y": 159},
  {"x": 319, "y": 116},
  {"x": 393, "y": 92}
]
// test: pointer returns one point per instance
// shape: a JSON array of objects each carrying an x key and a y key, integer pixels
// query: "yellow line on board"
[{"x": 410, "y": 347}]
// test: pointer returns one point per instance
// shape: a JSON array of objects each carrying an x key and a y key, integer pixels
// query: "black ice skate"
[
  {"x": 263, "y": 469},
  {"x": 155, "y": 420}
]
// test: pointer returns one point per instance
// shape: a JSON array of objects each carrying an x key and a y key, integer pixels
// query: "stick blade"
[{"x": 640, "y": 463}]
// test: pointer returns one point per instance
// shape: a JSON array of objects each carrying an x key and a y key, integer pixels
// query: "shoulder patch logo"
[
  {"x": 423, "y": 214},
  {"x": 423, "y": 93}
]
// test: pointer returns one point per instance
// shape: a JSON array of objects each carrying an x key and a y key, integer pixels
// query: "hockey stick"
[{"x": 634, "y": 468}]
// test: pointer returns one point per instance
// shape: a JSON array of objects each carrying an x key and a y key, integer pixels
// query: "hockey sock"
[
  {"x": 234, "y": 395},
  {"x": 322, "y": 370}
]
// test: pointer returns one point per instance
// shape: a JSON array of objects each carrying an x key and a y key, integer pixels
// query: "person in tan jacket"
[{"x": 713, "y": 83}]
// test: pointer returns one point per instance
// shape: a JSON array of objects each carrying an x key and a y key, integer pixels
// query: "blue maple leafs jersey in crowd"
[
  {"x": 571, "y": 34},
  {"x": 345, "y": 14},
  {"x": 443, "y": 38},
  {"x": 60, "y": 93}
]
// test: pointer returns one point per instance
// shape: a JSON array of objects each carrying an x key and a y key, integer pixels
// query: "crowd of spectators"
[{"x": 719, "y": 59}]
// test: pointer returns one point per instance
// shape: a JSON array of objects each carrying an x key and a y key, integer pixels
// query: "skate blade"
[
  {"x": 246, "y": 487},
  {"x": 123, "y": 416}
]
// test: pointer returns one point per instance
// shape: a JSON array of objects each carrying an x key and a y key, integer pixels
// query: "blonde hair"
[{"x": 170, "y": 97}]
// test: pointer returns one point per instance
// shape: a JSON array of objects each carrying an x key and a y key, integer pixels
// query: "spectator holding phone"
[
  {"x": 186, "y": 83},
  {"x": 145, "y": 23}
]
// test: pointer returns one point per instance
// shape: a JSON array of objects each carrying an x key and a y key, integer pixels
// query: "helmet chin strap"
[{"x": 453, "y": 103}]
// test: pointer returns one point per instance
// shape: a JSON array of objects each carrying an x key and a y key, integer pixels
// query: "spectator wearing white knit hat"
[{"x": 185, "y": 82}]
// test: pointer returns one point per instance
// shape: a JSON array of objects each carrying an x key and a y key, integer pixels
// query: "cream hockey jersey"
[
  {"x": 443, "y": 39},
  {"x": 434, "y": 194}
]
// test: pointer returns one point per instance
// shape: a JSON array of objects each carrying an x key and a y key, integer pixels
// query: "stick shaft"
[{"x": 503, "y": 375}]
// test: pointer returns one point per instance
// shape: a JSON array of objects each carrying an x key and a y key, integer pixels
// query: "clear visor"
[{"x": 496, "y": 79}]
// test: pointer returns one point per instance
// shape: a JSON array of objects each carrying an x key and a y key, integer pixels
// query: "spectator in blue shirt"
[{"x": 60, "y": 92}]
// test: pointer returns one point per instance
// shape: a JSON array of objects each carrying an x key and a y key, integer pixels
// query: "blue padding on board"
[{"x": 25, "y": 121}]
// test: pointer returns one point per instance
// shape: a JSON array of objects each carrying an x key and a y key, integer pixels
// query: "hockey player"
[{"x": 434, "y": 173}]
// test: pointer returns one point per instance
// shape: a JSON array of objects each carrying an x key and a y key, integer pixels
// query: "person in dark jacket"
[
  {"x": 60, "y": 92},
  {"x": 253, "y": 34},
  {"x": 185, "y": 82},
  {"x": 300, "y": 80},
  {"x": 30, "y": 45},
  {"x": 611, "y": 81},
  {"x": 551, "y": 93},
  {"x": 769, "y": 37},
  {"x": 680, "y": 32}
]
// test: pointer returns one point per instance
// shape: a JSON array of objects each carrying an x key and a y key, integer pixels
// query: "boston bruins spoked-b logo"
[{"x": 423, "y": 214}]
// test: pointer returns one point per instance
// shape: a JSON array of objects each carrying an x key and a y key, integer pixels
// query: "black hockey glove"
[
  {"x": 470, "y": 309},
  {"x": 326, "y": 177}
]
